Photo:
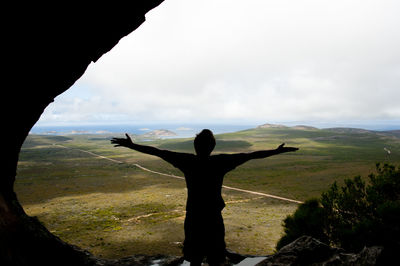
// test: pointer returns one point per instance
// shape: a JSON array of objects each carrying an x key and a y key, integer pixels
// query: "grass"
[{"x": 116, "y": 210}]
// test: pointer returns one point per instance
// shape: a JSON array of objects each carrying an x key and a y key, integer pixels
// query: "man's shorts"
[{"x": 204, "y": 237}]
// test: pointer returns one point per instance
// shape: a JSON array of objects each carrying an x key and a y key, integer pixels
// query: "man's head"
[{"x": 204, "y": 143}]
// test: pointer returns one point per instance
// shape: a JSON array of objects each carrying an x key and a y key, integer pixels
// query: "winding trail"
[{"x": 180, "y": 177}]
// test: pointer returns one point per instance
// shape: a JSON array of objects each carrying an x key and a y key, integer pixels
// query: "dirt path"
[{"x": 182, "y": 178}]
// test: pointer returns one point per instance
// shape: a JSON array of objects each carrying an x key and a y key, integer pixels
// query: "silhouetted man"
[{"x": 204, "y": 173}]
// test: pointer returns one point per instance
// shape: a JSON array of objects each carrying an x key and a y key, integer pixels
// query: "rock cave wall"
[{"x": 48, "y": 48}]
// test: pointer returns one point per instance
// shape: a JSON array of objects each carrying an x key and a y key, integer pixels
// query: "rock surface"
[
  {"x": 46, "y": 49},
  {"x": 140, "y": 260},
  {"x": 310, "y": 251},
  {"x": 303, "y": 251}
]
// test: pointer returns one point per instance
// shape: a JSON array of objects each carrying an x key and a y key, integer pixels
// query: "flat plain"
[{"x": 112, "y": 208}]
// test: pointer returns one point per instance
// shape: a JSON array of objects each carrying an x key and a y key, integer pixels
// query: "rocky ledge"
[
  {"x": 309, "y": 251},
  {"x": 303, "y": 251}
]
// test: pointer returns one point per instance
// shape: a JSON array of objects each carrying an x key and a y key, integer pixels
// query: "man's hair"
[{"x": 204, "y": 143}]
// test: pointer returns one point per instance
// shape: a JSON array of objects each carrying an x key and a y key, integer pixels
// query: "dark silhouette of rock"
[
  {"x": 140, "y": 260},
  {"x": 310, "y": 251},
  {"x": 46, "y": 49}
]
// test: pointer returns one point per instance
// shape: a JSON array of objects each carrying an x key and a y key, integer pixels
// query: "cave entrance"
[
  {"x": 113, "y": 209},
  {"x": 221, "y": 81}
]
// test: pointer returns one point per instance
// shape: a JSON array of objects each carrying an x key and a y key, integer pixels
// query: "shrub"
[
  {"x": 308, "y": 219},
  {"x": 352, "y": 216}
]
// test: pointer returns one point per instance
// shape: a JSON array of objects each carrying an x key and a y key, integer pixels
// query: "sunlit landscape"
[{"x": 92, "y": 194}]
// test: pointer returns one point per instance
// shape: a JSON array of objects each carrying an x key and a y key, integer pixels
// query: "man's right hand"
[
  {"x": 282, "y": 149},
  {"x": 122, "y": 142}
]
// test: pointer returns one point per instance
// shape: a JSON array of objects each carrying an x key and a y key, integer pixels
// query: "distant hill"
[
  {"x": 300, "y": 127},
  {"x": 344, "y": 130},
  {"x": 159, "y": 133},
  {"x": 303, "y": 127},
  {"x": 395, "y": 133},
  {"x": 349, "y": 130},
  {"x": 272, "y": 126}
]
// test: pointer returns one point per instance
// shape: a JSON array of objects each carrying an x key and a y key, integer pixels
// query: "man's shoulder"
[
  {"x": 221, "y": 156},
  {"x": 229, "y": 158},
  {"x": 178, "y": 159},
  {"x": 187, "y": 155},
  {"x": 182, "y": 156},
  {"x": 177, "y": 153},
  {"x": 224, "y": 155}
]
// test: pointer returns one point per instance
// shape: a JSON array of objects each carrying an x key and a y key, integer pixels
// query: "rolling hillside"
[{"x": 92, "y": 195}]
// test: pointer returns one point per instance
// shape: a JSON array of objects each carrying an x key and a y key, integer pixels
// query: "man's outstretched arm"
[
  {"x": 267, "y": 153},
  {"x": 177, "y": 159},
  {"x": 240, "y": 158},
  {"x": 127, "y": 142}
]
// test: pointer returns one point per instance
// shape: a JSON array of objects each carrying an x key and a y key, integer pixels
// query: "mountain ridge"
[{"x": 357, "y": 130}]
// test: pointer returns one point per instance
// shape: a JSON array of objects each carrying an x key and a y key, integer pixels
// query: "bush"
[
  {"x": 353, "y": 216},
  {"x": 307, "y": 220}
]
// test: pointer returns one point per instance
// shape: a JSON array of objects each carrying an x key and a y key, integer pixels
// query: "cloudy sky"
[{"x": 244, "y": 62}]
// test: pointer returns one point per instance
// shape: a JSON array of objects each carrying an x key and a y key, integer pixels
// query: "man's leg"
[
  {"x": 193, "y": 250},
  {"x": 195, "y": 263},
  {"x": 217, "y": 247}
]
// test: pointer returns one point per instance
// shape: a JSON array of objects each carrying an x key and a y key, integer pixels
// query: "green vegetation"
[
  {"x": 354, "y": 216},
  {"x": 116, "y": 209}
]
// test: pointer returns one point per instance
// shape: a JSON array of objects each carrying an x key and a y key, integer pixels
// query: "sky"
[{"x": 246, "y": 62}]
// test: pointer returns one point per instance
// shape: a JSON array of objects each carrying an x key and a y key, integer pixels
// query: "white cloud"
[{"x": 257, "y": 61}]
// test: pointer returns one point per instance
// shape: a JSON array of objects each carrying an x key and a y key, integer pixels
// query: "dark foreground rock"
[
  {"x": 48, "y": 48},
  {"x": 160, "y": 260},
  {"x": 303, "y": 251},
  {"x": 140, "y": 260},
  {"x": 310, "y": 251}
]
